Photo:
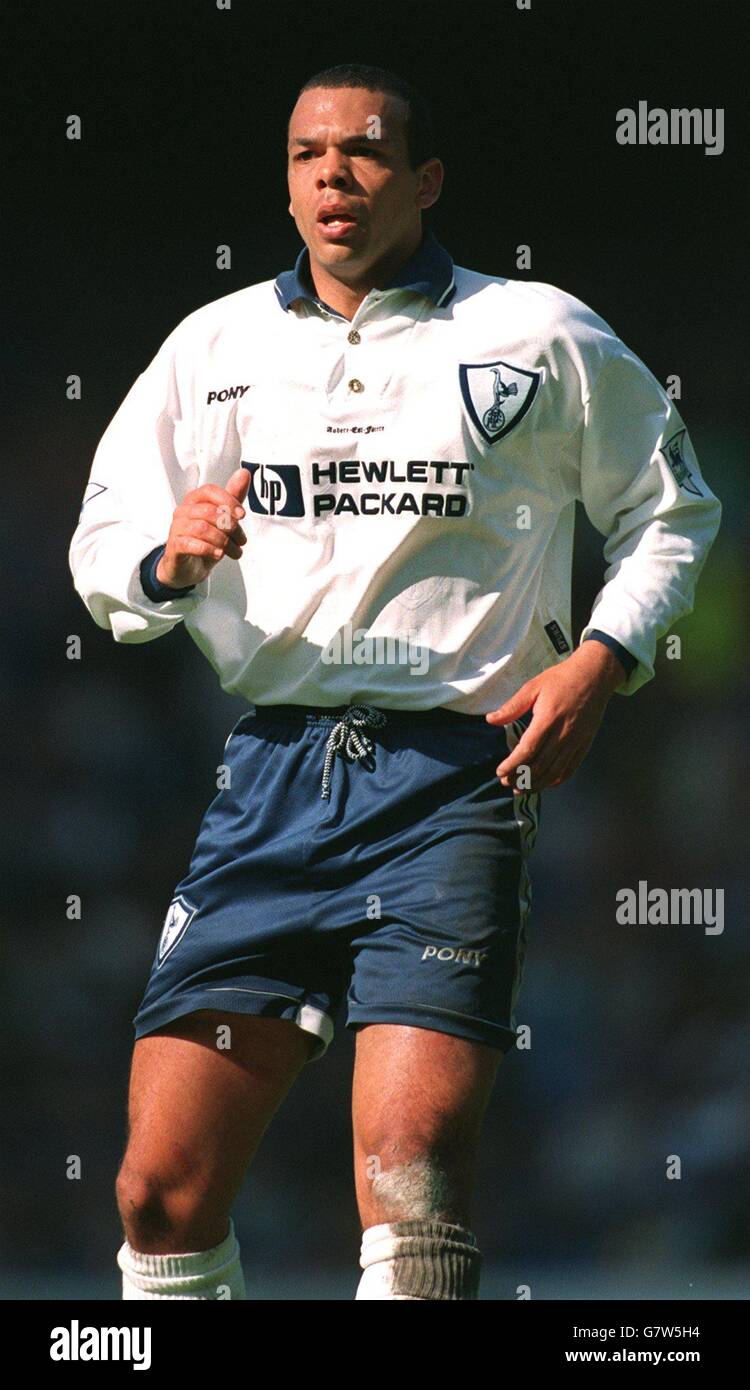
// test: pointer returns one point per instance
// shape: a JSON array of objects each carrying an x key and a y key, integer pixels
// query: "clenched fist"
[{"x": 205, "y": 527}]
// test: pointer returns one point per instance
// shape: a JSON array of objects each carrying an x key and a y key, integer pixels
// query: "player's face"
[{"x": 348, "y": 156}]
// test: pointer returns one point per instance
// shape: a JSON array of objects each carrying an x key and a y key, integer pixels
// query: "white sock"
[
  {"x": 215, "y": 1273},
  {"x": 419, "y": 1261}
]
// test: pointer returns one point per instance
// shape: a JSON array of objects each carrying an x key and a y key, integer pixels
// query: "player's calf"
[
  {"x": 418, "y": 1104},
  {"x": 416, "y": 1243}
]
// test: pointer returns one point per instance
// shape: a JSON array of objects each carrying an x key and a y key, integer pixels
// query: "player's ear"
[{"x": 431, "y": 178}]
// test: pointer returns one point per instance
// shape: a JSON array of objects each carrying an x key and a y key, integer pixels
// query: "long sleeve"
[
  {"x": 144, "y": 464},
  {"x": 641, "y": 486}
]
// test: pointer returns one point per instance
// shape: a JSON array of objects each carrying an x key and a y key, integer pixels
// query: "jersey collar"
[{"x": 429, "y": 271}]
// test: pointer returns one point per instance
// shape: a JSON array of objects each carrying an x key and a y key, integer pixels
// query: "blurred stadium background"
[{"x": 640, "y": 1034}]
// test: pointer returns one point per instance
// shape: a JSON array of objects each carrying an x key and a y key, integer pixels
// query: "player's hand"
[
  {"x": 205, "y": 527},
  {"x": 568, "y": 701}
]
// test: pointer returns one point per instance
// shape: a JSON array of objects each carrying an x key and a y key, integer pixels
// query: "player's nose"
[{"x": 334, "y": 171}]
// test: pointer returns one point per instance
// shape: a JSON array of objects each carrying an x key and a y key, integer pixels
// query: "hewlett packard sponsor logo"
[
  {"x": 76, "y": 1343},
  {"x": 275, "y": 491},
  {"x": 383, "y": 487},
  {"x": 363, "y": 487}
]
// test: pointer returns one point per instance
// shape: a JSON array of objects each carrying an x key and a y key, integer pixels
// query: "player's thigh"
[
  {"x": 417, "y": 1090},
  {"x": 203, "y": 1089}
]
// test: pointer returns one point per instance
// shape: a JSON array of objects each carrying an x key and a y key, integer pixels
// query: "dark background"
[{"x": 640, "y": 1034}]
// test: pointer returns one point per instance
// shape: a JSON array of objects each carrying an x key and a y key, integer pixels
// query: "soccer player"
[{"x": 355, "y": 486}]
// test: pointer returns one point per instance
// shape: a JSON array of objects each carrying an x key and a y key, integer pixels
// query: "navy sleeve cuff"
[
  {"x": 624, "y": 657},
  {"x": 152, "y": 588}
]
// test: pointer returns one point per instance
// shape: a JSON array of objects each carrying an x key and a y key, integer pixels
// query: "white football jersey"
[{"x": 414, "y": 476}]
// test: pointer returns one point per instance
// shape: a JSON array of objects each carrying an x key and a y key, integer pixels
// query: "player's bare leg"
[
  {"x": 418, "y": 1103},
  {"x": 197, "y": 1114}
]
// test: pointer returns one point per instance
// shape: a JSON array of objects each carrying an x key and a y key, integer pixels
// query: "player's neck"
[{"x": 346, "y": 297}]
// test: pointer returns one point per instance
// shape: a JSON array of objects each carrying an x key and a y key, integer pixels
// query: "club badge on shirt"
[{"x": 497, "y": 395}]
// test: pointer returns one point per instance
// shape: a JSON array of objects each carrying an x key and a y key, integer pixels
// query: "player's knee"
[
  {"x": 155, "y": 1213},
  {"x": 143, "y": 1205}
]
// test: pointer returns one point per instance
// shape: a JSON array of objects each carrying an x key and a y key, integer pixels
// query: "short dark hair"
[{"x": 420, "y": 132}]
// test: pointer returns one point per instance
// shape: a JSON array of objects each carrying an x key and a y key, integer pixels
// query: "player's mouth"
[{"x": 334, "y": 224}]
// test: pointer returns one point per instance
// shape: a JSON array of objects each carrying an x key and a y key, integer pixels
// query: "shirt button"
[
  {"x": 354, "y": 337},
  {"x": 355, "y": 384}
]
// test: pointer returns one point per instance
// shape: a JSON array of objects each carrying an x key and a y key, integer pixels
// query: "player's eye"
[{"x": 304, "y": 154}]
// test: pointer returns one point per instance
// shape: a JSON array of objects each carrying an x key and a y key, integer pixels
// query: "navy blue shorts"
[{"x": 403, "y": 888}]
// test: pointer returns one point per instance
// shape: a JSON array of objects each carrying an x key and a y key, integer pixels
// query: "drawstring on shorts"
[{"x": 349, "y": 741}]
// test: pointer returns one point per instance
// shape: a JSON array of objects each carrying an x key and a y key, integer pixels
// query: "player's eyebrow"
[{"x": 346, "y": 143}]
